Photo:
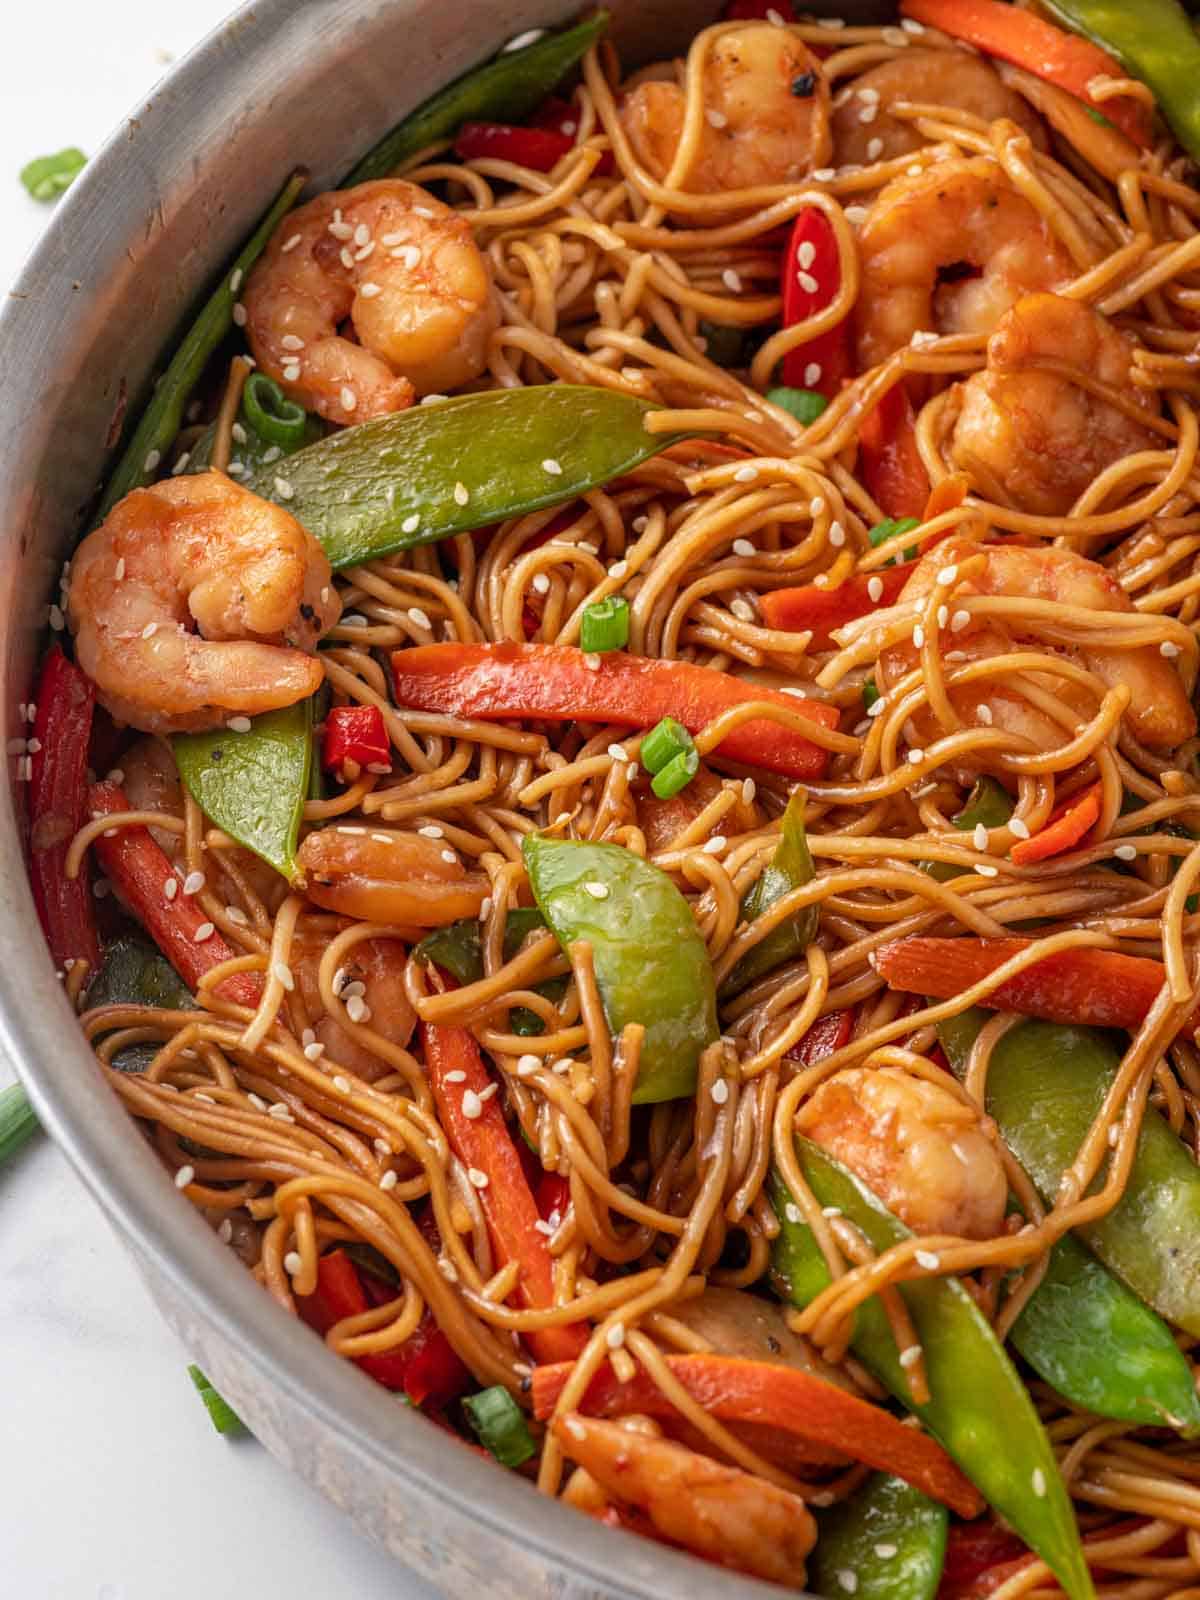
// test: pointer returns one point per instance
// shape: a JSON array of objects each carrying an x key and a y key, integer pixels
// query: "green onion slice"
[
  {"x": 604, "y": 625},
  {"x": 666, "y": 740},
  {"x": 224, "y": 1418},
  {"x": 500, "y": 1425},
  {"x": 806, "y": 405},
  {"x": 46, "y": 177},
  {"x": 676, "y": 775},
  {"x": 271, "y": 414}
]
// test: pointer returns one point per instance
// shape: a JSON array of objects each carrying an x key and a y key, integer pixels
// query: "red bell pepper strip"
[
  {"x": 1063, "y": 831},
  {"x": 355, "y": 733},
  {"x": 827, "y": 1034},
  {"x": 424, "y": 1367},
  {"x": 553, "y": 683},
  {"x": 739, "y": 1390},
  {"x": 541, "y": 149},
  {"x": 1085, "y": 987},
  {"x": 484, "y": 1145},
  {"x": 62, "y": 729},
  {"x": 973, "y": 1551},
  {"x": 1041, "y": 48},
  {"x": 888, "y": 458},
  {"x": 811, "y": 276},
  {"x": 139, "y": 870},
  {"x": 556, "y": 113},
  {"x": 823, "y": 610}
]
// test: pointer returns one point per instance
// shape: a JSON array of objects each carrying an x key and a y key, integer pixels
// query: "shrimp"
[
  {"x": 766, "y": 121},
  {"x": 864, "y": 131},
  {"x": 920, "y": 1150},
  {"x": 403, "y": 269},
  {"x": 958, "y": 216},
  {"x": 1035, "y": 439},
  {"x": 662, "y": 821},
  {"x": 378, "y": 966},
  {"x": 392, "y": 877},
  {"x": 196, "y": 599},
  {"x": 1159, "y": 713},
  {"x": 718, "y": 1512}
]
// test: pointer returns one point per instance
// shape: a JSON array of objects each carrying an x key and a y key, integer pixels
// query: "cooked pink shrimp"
[
  {"x": 721, "y": 1513},
  {"x": 920, "y": 235},
  {"x": 864, "y": 131},
  {"x": 1159, "y": 713},
  {"x": 403, "y": 269},
  {"x": 766, "y": 108},
  {"x": 388, "y": 876},
  {"x": 1034, "y": 439},
  {"x": 376, "y": 964},
  {"x": 196, "y": 600},
  {"x": 916, "y": 1147}
]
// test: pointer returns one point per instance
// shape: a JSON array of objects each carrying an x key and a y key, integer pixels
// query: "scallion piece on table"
[
  {"x": 271, "y": 414},
  {"x": 676, "y": 775},
  {"x": 604, "y": 625},
  {"x": 18, "y": 1124},
  {"x": 666, "y": 741},
  {"x": 806, "y": 405},
  {"x": 46, "y": 177},
  {"x": 500, "y": 1425},
  {"x": 224, "y": 1418}
]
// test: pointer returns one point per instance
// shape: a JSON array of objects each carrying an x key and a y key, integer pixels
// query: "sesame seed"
[
  {"x": 988, "y": 872},
  {"x": 472, "y": 1105},
  {"x": 279, "y": 1111},
  {"x": 910, "y": 1356},
  {"x": 837, "y": 535},
  {"x": 875, "y": 588},
  {"x": 807, "y": 253},
  {"x": 918, "y": 636},
  {"x": 290, "y": 341},
  {"x": 923, "y": 339},
  {"x": 857, "y": 215},
  {"x": 170, "y": 888},
  {"x": 616, "y": 752},
  {"x": 943, "y": 616},
  {"x": 831, "y": 1211},
  {"x": 911, "y": 25},
  {"x": 1039, "y": 1483},
  {"x": 915, "y": 756},
  {"x": 282, "y": 974},
  {"x": 527, "y": 1065},
  {"x": 598, "y": 891},
  {"x": 290, "y": 244},
  {"x": 615, "y": 1337},
  {"x": 348, "y": 398},
  {"x": 885, "y": 1552},
  {"x": 807, "y": 282},
  {"x": 745, "y": 474},
  {"x": 980, "y": 837},
  {"x": 929, "y": 1260},
  {"x": 959, "y": 621},
  {"x": 461, "y": 494},
  {"x": 292, "y": 1263},
  {"x": 283, "y": 489},
  {"x": 184, "y": 1176},
  {"x": 824, "y": 174},
  {"x": 553, "y": 467},
  {"x": 239, "y": 314},
  {"x": 731, "y": 280},
  {"x": 258, "y": 1103},
  {"x": 816, "y": 507},
  {"x": 421, "y": 618},
  {"x": 361, "y": 234},
  {"x": 409, "y": 257},
  {"x": 431, "y": 830},
  {"x": 743, "y": 547},
  {"x": 389, "y": 1180},
  {"x": 291, "y": 371},
  {"x": 1019, "y": 828},
  {"x": 543, "y": 1227},
  {"x": 450, "y": 858},
  {"x": 120, "y": 575},
  {"x": 56, "y": 619},
  {"x": 477, "y": 1179},
  {"x": 357, "y": 1009},
  {"x": 1168, "y": 649},
  {"x": 381, "y": 1147},
  {"x": 366, "y": 252},
  {"x": 203, "y": 932},
  {"x": 618, "y": 569},
  {"x": 1126, "y": 852},
  {"x": 821, "y": 580},
  {"x": 812, "y": 374},
  {"x": 847, "y": 1580},
  {"x": 342, "y": 1085},
  {"x": 749, "y": 790},
  {"x": 541, "y": 583},
  {"x": 716, "y": 119},
  {"x": 150, "y": 630},
  {"x": 720, "y": 1092},
  {"x": 225, "y": 1231},
  {"x": 592, "y": 662},
  {"x": 523, "y": 40},
  {"x": 742, "y": 609}
]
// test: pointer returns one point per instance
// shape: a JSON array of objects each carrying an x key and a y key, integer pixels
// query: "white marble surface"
[{"x": 113, "y": 1484}]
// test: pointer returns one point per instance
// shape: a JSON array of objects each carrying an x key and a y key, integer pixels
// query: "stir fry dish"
[{"x": 616, "y": 785}]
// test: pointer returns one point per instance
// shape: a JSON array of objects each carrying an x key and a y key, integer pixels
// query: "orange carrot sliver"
[
  {"x": 1062, "y": 832},
  {"x": 822, "y": 610}
]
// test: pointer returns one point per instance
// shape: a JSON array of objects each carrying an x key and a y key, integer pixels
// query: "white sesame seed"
[
  {"x": 1168, "y": 649},
  {"x": 746, "y": 474},
  {"x": 348, "y": 398},
  {"x": 618, "y": 569},
  {"x": 523, "y": 40},
  {"x": 1126, "y": 852},
  {"x": 910, "y": 1356},
  {"x": 821, "y": 580},
  {"x": 389, "y": 1180},
  {"x": 184, "y": 1176},
  {"x": 615, "y": 1336},
  {"x": 541, "y": 583},
  {"x": 342, "y": 1085},
  {"x": 477, "y": 1179},
  {"x": 857, "y": 215},
  {"x": 918, "y": 636},
  {"x": 292, "y": 1263},
  {"x": 279, "y": 1111},
  {"x": 984, "y": 713},
  {"x": 715, "y": 845},
  {"x": 450, "y": 858},
  {"x": 528, "y": 1065},
  {"x": 837, "y": 535},
  {"x": 885, "y": 1552},
  {"x": 553, "y": 467},
  {"x": 875, "y": 147},
  {"x": 291, "y": 371},
  {"x": 592, "y": 662},
  {"x": 812, "y": 374},
  {"x": 193, "y": 883},
  {"x": 988, "y": 872},
  {"x": 807, "y": 282},
  {"x": 366, "y": 252},
  {"x": 150, "y": 630},
  {"x": 632, "y": 773},
  {"x": 290, "y": 341},
  {"x": 258, "y": 1103},
  {"x": 915, "y": 756},
  {"x": 929, "y": 1260},
  {"x": 875, "y": 588},
  {"x": 824, "y": 174},
  {"x": 742, "y": 609},
  {"x": 749, "y": 790},
  {"x": 170, "y": 888},
  {"x": 461, "y": 494},
  {"x": 816, "y": 506},
  {"x": 203, "y": 932},
  {"x": 1019, "y": 828},
  {"x": 959, "y": 621},
  {"x": 807, "y": 253},
  {"x": 598, "y": 891},
  {"x": 225, "y": 1231},
  {"x": 472, "y": 1105},
  {"x": 731, "y": 280},
  {"x": 720, "y": 1092},
  {"x": 948, "y": 575},
  {"x": 911, "y": 25},
  {"x": 357, "y": 1009},
  {"x": 282, "y": 974},
  {"x": 715, "y": 118},
  {"x": 1039, "y": 1483},
  {"x": 792, "y": 1212},
  {"x": 847, "y": 1580},
  {"x": 409, "y": 257},
  {"x": 421, "y": 618},
  {"x": 239, "y": 314},
  {"x": 743, "y": 547},
  {"x": 431, "y": 830},
  {"x": 283, "y": 489},
  {"x": 290, "y": 244},
  {"x": 381, "y": 1147},
  {"x": 980, "y": 837}
]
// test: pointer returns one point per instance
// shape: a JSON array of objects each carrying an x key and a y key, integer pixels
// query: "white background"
[{"x": 113, "y": 1484}]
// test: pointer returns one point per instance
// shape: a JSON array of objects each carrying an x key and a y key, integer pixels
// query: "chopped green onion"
[
  {"x": 224, "y": 1418},
  {"x": 18, "y": 1124},
  {"x": 47, "y": 177},
  {"x": 870, "y": 693},
  {"x": 604, "y": 625},
  {"x": 500, "y": 1424},
  {"x": 666, "y": 740},
  {"x": 676, "y": 775},
  {"x": 889, "y": 528},
  {"x": 806, "y": 405},
  {"x": 271, "y": 414}
]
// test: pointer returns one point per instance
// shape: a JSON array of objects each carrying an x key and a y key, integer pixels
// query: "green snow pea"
[
  {"x": 651, "y": 964},
  {"x": 136, "y": 973},
  {"x": 1154, "y": 41},
  {"x": 988, "y": 802},
  {"x": 890, "y": 1536},
  {"x": 505, "y": 89},
  {"x": 979, "y": 1408},
  {"x": 423, "y": 474},
  {"x": 791, "y": 867},
  {"x": 1045, "y": 1085},
  {"x": 459, "y": 948},
  {"x": 252, "y": 785},
  {"x": 161, "y": 419}
]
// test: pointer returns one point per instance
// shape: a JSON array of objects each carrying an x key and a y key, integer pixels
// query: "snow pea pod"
[
  {"x": 791, "y": 867},
  {"x": 459, "y": 948},
  {"x": 979, "y": 1409},
  {"x": 505, "y": 89},
  {"x": 161, "y": 419},
  {"x": 988, "y": 802},
  {"x": 1153, "y": 41},
  {"x": 1045, "y": 1084},
  {"x": 423, "y": 474},
  {"x": 136, "y": 973},
  {"x": 651, "y": 964},
  {"x": 888, "y": 1536},
  {"x": 252, "y": 785}
]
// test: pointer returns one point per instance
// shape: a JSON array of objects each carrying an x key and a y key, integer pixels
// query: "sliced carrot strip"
[{"x": 1064, "y": 830}]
